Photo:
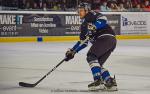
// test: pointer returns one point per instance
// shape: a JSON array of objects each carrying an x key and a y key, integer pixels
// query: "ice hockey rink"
[{"x": 28, "y": 62}]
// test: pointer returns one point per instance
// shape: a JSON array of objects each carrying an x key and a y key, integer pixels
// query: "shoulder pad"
[
  {"x": 90, "y": 17},
  {"x": 93, "y": 12},
  {"x": 101, "y": 16}
]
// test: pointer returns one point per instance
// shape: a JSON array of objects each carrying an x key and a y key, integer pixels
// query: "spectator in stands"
[
  {"x": 104, "y": 7},
  {"x": 129, "y": 6},
  {"x": 40, "y": 3},
  {"x": 50, "y": 4},
  {"x": 121, "y": 7},
  {"x": 138, "y": 8},
  {"x": 28, "y": 5},
  {"x": 35, "y": 6},
  {"x": 114, "y": 7},
  {"x": 136, "y": 2},
  {"x": 63, "y": 6},
  {"x": 146, "y": 6},
  {"x": 56, "y": 7},
  {"x": 45, "y": 7},
  {"x": 71, "y": 4}
]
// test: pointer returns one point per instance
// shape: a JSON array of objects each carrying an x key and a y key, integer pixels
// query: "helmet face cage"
[{"x": 86, "y": 6}]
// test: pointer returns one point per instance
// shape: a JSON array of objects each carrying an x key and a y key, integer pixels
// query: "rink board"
[
  {"x": 33, "y": 26},
  {"x": 63, "y": 38}
]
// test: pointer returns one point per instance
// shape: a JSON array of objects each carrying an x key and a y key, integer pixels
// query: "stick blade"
[{"x": 26, "y": 84}]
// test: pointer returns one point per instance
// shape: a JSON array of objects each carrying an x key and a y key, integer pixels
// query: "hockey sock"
[
  {"x": 105, "y": 74},
  {"x": 96, "y": 69}
]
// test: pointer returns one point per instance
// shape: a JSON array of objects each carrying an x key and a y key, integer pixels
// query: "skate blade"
[
  {"x": 114, "y": 88},
  {"x": 96, "y": 88}
]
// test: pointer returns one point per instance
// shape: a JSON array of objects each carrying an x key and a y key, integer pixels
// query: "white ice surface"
[{"x": 28, "y": 62}]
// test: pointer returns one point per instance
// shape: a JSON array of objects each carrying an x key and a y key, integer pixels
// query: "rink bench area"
[{"x": 63, "y": 38}]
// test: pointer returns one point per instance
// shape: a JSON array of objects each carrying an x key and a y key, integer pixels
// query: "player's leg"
[
  {"x": 96, "y": 72},
  {"x": 102, "y": 48},
  {"x": 110, "y": 82}
]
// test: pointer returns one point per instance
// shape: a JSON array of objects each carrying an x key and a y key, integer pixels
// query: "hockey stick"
[
  {"x": 23, "y": 84},
  {"x": 33, "y": 85}
]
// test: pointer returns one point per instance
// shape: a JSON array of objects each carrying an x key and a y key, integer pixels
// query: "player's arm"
[
  {"x": 82, "y": 43},
  {"x": 77, "y": 47}
]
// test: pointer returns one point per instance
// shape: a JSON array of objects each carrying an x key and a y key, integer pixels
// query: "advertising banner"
[
  {"x": 134, "y": 24},
  {"x": 20, "y": 24}
]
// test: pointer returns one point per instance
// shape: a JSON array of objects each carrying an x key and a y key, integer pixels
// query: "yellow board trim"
[
  {"x": 60, "y": 38},
  {"x": 64, "y": 38},
  {"x": 18, "y": 39},
  {"x": 123, "y": 37}
]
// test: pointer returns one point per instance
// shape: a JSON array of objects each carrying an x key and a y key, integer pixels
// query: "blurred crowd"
[
  {"x": 120, "y": 5},
  {"x": 55, "y": 5},
  {"x": 66, "y": 5}
]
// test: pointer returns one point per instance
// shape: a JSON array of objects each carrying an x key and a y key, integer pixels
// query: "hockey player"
[{"x": 95, "y": 27}]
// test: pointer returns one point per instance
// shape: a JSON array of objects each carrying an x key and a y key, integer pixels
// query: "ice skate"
[
  {"x": 111, "y": 85},
  {"x": 96, "y": 85}
]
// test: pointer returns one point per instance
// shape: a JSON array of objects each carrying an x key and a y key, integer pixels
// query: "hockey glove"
[{"x": 70, "y": 54}]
